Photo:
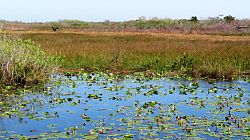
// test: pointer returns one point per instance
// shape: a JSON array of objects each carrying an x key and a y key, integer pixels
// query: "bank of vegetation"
[
  {"x": 22, "y": 62},
  {"x": 225, "y": 25}
]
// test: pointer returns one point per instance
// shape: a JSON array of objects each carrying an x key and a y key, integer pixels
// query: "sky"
[{"x": 119, "y": 10}]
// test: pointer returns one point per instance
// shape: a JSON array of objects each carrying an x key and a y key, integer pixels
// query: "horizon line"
[{"x": 138, "y": 18}]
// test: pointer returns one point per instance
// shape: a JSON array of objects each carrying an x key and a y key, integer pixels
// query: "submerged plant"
[{"x": 23, "y": 62}]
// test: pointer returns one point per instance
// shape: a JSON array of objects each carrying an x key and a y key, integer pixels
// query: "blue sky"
[{"x": 119, "y": 10}]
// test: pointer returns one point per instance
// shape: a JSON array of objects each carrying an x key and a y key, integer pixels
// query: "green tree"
[
  {"x": 194, "y": 19},
  {"x": 229, "y": 19}
]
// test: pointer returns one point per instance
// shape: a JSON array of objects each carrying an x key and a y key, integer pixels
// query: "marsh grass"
[
  {"x": 23, "y": 62},
  {"x": 198, "y": 55}
]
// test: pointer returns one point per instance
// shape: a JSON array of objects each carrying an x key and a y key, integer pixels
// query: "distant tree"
[
  {"x": 107, "y": 21},
  {"x": 229, "y": 19},
  {"x": 194, "y": 19},
  {"x": 142, "y": 18}
]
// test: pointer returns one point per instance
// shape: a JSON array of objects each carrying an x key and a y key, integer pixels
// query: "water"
[{"x": 99, "y": 106}]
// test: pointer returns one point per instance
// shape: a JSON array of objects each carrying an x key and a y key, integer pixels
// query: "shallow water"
[{"x": 98, "y": 106}]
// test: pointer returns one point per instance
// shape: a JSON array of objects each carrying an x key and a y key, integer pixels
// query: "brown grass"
[{"x": 206, "y": 55}]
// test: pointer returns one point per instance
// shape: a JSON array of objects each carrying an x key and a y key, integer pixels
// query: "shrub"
[
  {"x": 74, "y": 23},
  {"x": 22, "y": 62}
]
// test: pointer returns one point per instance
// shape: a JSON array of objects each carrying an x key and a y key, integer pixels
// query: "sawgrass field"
[{"x": 199, "y": 55}]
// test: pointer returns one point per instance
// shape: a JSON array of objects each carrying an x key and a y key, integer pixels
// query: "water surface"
[{"x": 99, "y": 106}]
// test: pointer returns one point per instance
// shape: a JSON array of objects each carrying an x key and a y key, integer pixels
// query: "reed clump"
[{"x": 23, "y": 62}]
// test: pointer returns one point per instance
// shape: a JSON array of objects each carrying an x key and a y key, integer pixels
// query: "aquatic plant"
[
  {"x": 133, "y": 107},
  {"x": 23, "y": 62}
]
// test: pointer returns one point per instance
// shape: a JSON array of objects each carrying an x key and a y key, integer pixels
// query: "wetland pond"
[{"x": 105, "y": 106}]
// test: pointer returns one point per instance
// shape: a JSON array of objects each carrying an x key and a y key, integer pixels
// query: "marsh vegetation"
[
  {"x": 135, "y": 83},
  {"x": 226, "y": 25},
  {"x": 23, "y": 62},
  {"x": 197, "y": 55}
]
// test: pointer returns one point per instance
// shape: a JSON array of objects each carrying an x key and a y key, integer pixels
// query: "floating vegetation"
[{"x": 107, "y": 106}]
